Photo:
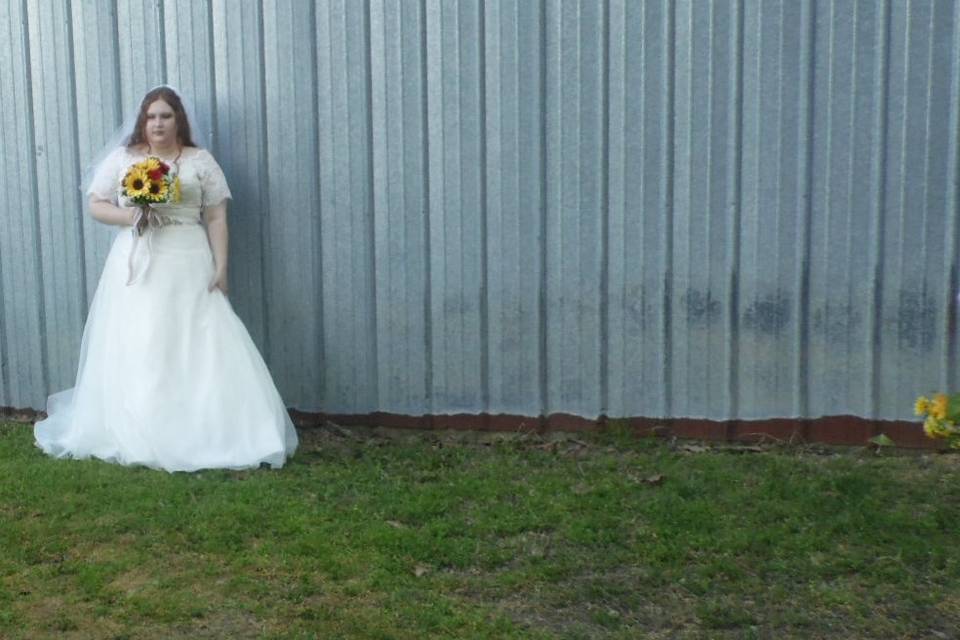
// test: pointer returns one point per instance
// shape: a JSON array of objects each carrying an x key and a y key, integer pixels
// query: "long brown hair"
[{"x": 169, "y": 96}]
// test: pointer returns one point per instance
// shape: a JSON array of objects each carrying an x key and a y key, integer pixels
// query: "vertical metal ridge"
[
  {"x": 683, "y": 369},
  {"x": 74, "y": 120},
  {"x": 118, "y": 81},
  {"x": 827, "y": 161},
  {"x": 377, "y": 141},
  {"x": 511, "y": 81},
  {"x": 708, "y": 161},
  {"x": 32, "y": 180},
  {"x": 6, "y": 387},
  {"x": 733, "y": 316},
  {"x": 879, "y": 176},
  {"x": 850, "y": 247},
  {"x": 162, "y": 35},
  {"x": 264, "y": 176},
  {"x": 575, "y": 227},
  {"x": 643, "y": 47},
  {"x": 484, "y": 285},
  {"x": 752, "y": 179},
  {"x": 458, "y": 55},
  {"x": 803, "y": 311},
  {"x": 542, "y": 302},
  {"x": 925, "y": 184},
  {"x": 901, "y": 203},
  {"x": 6, "y": 361},
  {"x": 687, "y": 365},
  {"x": 427, "y": 204},
  {"x": 622, "y": 294},
  {"x": 212, "y": 60},
  {"x": 778, "y": 145},
  {"x": 339, "y": 17},
  {"x": 670, "y": 76},
  {"x": 926, "y": 176},
  {"x": 605, "y": 213},
  {"x": 373, "y": 333},
  {"x": 953, "y": 205},
  {"x": 316, "y": 256}
]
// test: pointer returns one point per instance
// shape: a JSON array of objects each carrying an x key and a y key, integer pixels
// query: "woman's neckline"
[{"x": 185, "y": 152}]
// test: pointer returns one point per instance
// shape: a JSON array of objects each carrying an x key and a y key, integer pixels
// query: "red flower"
[
  {"x": 157, "y": 174},
  {"x": 165, "y": 168}
]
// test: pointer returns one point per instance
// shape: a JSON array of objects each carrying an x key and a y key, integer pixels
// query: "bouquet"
[
  {"x": 941, "y": 415},
  {"x": 147, "y": 183}
]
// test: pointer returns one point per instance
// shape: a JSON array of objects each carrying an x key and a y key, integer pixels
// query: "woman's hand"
[
  {"x": 216, "y": 220},
  {"x": 108, "y": 213},
  {"x": 219, "y": 281}
]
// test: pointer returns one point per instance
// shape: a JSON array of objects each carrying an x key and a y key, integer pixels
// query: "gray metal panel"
[
  {"x": 947, "y": 342},
  {"x": 707, "y": 209},
  {"x": 923, "y": 66},
  {"x": 706, "y": 95},
  {"x": 189, "y": 63},
  {"x": 842, "y": 226},
  {"x": 240, "y": 117},
  {"x": 400, "y": 200},
  {"x": 574, "y": 217},
  {"x": 772, "y": 258},
  {"x": 346, "y": 206},
  {"x": 455, "y": 169},
  {"x": 58, "y": 202},
  {"x": 98, "y": 111},
  {"x": 639, "y": 225},
  {"x": 514, "y": 205},
  {"x": 294, "y": 294},
  {"x": 23, "y": 354},
  {"x": 142, "y": 45}
]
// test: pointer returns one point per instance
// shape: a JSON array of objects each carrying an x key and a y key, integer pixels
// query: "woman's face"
[{"x": 161, "y": 125}]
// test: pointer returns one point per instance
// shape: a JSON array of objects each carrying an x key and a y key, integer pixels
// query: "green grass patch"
[{"x": 480, "y": 536}]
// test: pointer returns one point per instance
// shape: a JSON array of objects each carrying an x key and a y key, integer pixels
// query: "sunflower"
[
  {"x": 151, "y": 164},
  {"x": 936, "y": 428},
  {"x": 939, "y": 407},
  {"x": 176, "y": 189},
  {"x": 946, "y": 429},
  {"x": 136, "y": 183},
  {"x": 157, "y": 190},
  {"x": 922, "y": 406}
]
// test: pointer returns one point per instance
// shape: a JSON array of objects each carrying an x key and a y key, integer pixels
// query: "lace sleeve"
[
  {"x": 213, "y": 183},
  {"x": 106, "y": 179}
]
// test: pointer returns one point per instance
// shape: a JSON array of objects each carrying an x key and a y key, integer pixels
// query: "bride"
[{"x": 168, "y": 375}]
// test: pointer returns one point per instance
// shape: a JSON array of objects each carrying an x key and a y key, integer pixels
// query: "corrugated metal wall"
[{"x": 722, "y": 209}]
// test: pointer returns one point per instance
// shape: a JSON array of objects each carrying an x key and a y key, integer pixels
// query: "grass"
[{"x": 424, "y": 536}]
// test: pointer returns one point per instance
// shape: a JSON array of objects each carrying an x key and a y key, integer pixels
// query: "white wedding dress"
[{"x": 168, "y": 375}]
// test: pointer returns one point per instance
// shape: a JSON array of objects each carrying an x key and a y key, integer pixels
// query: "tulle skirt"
[{"x": 169, "y": 377}]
